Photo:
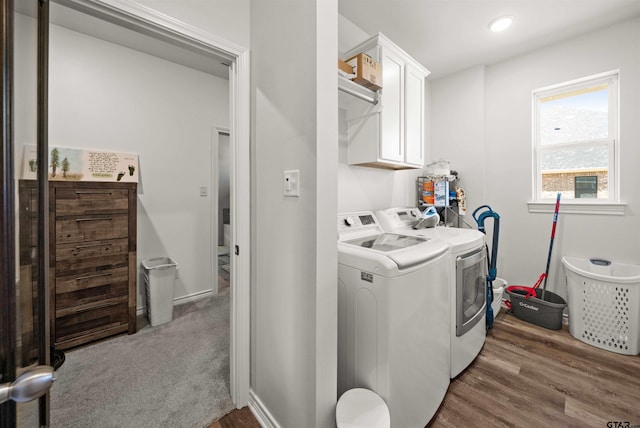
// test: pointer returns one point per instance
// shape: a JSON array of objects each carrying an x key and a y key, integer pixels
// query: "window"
[{"x": 575, "y": 141}]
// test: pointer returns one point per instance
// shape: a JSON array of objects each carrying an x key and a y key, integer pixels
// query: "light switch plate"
[
  {"x": 203, "y": 190},
  {"x": 291, "y": 183}
]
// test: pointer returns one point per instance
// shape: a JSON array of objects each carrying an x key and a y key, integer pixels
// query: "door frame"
[
  {"x": 7, "y": 214},
  {"x": 8, "y": 263},
  {"x": 148, "y": 21}
]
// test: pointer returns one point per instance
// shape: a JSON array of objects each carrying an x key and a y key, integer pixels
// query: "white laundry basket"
[{"x": 604, "y": 303}]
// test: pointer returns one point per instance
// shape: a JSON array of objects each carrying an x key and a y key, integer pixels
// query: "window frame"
[{"x": 610, "y": 205}]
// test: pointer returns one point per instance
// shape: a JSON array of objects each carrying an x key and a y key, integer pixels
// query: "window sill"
[{"x": 575, "y": 207}]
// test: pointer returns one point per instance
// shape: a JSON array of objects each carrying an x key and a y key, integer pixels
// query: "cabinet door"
[
  {"x": 414, "y": 116},
  {"x": 392, "y": 129}
]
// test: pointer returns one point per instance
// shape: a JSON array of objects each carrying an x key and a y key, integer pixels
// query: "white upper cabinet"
[
  {"x": 390, "y": 133},
  {"x": 414, "y": 115}
]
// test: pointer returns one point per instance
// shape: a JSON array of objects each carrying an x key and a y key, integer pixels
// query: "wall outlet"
[{"x": 291, "y": 183}]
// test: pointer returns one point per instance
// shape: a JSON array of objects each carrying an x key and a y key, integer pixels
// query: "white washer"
[
  {"x": 393, "y": 317},
  {"x": 468, "y": 269}
]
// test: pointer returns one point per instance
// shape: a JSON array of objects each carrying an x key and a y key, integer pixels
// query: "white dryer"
[
  {"x": 468, "y": 269},
  {"x": 393, "y": 317}
]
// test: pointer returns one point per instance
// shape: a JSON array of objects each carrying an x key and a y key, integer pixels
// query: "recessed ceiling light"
[{"x": 500, "y": 24}]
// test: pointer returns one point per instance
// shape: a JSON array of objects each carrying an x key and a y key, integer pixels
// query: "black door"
[{"x": 25, "y": 368}]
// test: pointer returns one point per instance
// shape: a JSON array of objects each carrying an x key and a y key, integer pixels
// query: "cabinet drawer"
[
  {"x": 91, "y": 321},
  {"x": 82, "y": 290},
  {"x": 81, "y": 257},
  {"x": 91, "y": 228},
  {"x": 86, "y": 201}
]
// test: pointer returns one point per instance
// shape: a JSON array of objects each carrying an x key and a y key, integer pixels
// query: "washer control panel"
[{"x": 357, "y": 223}]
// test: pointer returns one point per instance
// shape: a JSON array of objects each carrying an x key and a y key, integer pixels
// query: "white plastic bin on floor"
[
  {"x": 604, "y": 303},
  {"x": 159, "y": 280},
  {"x": 499, "y": 287}
]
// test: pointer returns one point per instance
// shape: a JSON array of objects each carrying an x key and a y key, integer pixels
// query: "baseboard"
[
  {"x": 263, "y": 416},
  {"x": 181, "y": 300}
]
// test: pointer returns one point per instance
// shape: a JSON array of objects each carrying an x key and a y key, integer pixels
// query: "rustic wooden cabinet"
[{"x": 92, "y": 260}]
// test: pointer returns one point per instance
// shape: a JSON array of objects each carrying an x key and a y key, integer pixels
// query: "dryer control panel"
[{"x": 396, "y": 219}]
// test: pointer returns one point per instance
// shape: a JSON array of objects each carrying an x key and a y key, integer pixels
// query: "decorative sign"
[{"x": 68, "y": 164}]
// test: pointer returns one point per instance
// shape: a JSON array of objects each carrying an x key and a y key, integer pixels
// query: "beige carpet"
[{"x": 172, "y": 375}]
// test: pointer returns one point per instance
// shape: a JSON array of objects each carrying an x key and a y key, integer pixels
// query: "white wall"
[
  {"x": 228, "y": 19},
  {"x": 364, "y": 188},
  {"x": 294, "y": 263},
  {"x": 25, "y": 69},
  {"x": 457, "y": 130},
  {"x": 506, "y": 179},
  {"x": 25, "y": 103},
  {"x": 105, "y": 96}
]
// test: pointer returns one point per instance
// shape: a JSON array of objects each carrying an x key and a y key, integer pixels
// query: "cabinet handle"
[
  {"x": 93, "y": 219},
  {"x": 93, "y": 308},
  {"x": 92, "y": 276},
  {"x": 79, "y": 247},
  {"x": 92, "y": 192}
]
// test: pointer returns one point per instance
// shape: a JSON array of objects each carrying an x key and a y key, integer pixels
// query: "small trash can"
[
  {"x": 499, "y": 287},
  {"x": 159, "y": 280}
]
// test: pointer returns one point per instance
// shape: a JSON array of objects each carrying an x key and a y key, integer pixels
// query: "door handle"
[{"x": 29, "y": 385}]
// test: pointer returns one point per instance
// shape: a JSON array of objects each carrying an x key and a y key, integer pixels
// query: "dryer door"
[{"x": 471, "y": 296}]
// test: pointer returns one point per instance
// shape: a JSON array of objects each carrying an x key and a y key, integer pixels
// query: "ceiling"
[{"x": 447, "y": 36}]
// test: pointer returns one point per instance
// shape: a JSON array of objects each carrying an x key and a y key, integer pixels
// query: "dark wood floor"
[
  {"x": 528, "y": 376},
  {"x": 242, "y": 418}
]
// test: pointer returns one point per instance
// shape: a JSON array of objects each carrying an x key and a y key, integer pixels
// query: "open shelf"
[{"x": 348, "y": 87}]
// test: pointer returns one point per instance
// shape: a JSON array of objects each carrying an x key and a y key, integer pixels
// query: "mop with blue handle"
[{"x": 480, "y": 215}]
